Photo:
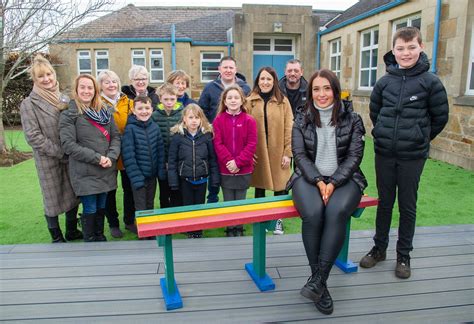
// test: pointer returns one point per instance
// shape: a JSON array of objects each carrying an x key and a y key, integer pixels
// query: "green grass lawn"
[{"x": 445, "y": 197}]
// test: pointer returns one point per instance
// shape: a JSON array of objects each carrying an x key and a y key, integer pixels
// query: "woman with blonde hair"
[
  {"x": 90, "y": 137},
  {"x": 40, "y": 118},
  {"x": 109, "y": 84},
  {"x": 191, "y": 158}
]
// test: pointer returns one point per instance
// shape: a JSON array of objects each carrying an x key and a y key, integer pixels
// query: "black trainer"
[
  {"x": 402, "y": 270},
  {"x": 373, "y": 257}
]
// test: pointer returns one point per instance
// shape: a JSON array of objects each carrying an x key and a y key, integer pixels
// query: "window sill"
[
  {"x": 464, "y": 101},
  {"x": 361, "y": 93}
]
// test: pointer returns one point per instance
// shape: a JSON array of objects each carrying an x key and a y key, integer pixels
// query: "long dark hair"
[
  {"x": 336, "y": 90},
  {"x": 276, "y": 89}
]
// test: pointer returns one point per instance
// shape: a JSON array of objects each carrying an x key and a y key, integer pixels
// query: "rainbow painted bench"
[{"x": 261, "y": 212}]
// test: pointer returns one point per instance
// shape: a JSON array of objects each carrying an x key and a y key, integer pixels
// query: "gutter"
[
  {"x": 144, "y": 40},
  {"x": 434, "y": 59},
  {"x": 173, "y": 47},
  {"x": 360, "y": 17}
]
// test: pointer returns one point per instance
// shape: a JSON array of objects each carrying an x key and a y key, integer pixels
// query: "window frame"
[
  {"x": 202, "y": 60},
  {"x": 272, "y": 50},
  {"x": 372, "y": 47},
  {"x": 470, "y": 91},
  {"x": 79, "y": 58},
  {"x": 99, "y": 56},
  {"x": 337, "y": 55},
  {"x": 162, "y": 69},
  {"x": 408, "y": 19},
  {"x": 137, "y": 56}
]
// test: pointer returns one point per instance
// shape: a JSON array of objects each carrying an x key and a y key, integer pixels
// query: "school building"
[{"x": 351, "y": 43}]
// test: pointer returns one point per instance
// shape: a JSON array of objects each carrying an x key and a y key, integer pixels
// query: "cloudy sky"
[{"x": 316, "y": 4}]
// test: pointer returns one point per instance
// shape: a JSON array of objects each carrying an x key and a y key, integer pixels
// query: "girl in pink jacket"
[{"x": 235, "y": 143}]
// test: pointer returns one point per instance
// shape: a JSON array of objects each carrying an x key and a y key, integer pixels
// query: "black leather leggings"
[{"x": 324, "y": 227}]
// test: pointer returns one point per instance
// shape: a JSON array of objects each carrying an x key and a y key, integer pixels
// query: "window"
[
  {"x": 84, "y": 65},
  {"x": 273, "y": 45},
  {"x": 101, "y": 61},
  {"x": 138, "y": 57},
  {"x": 262, "y": 44},
  {"x": 368, "y": 58},
  {"x": 209, "y": 64},
  {"x": 335, "y": 56},
  {"x": 411, "y": 21},
  {"x": 156, "y": 65},
  {"x": 470, "y": 72}
]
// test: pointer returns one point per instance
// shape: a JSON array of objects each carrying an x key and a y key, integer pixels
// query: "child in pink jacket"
[{"x": 235, "y": 143}]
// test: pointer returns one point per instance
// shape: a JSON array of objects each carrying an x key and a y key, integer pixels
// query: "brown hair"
[
  {"x": 178, "y": 74},
  {"x": 222, "y": 107},
  {"x": 196, "y": 110},
  {"x": 167, "y": 88},
  {"x": 141, "y": 98},
  {"x": 227, "y": 58},
  {"x": 407, "y": 34},
  {"x": 276, "y": 89},
  {"x": 96, "y": 102},
  {"x": 336, "y": 91}
]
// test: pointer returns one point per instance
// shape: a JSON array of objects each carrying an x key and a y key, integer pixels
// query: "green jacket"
[{"x": 165, "y": 122}]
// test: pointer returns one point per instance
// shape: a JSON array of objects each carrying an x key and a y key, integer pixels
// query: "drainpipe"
[
  {"x": 229, "y": 50},
  {"x": 434, "y": 60},
  {"x": 173, "y": 47},
  {"x": 318, "y": 51}
]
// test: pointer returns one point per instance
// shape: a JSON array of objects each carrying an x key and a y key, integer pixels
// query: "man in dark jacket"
[
  {"x": 293, "y": 84},
  {"x": 408, "y": 108},
  {"x": 209, "y": 100}
]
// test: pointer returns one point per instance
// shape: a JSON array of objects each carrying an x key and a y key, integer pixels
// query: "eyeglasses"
[{"x": 140, "y": 80}]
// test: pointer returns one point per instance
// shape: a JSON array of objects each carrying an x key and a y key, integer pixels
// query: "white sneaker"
[{"x": 279, "y": 228}]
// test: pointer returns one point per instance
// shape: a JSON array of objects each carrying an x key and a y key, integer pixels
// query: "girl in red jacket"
[{"x": 235, "y": 143}]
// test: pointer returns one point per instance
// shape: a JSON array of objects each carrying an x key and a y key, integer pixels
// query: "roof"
[
  {"x": 357, "y": 9},
  {"x": 197, "y": 24},
  {"x": 131, "y": 22}
]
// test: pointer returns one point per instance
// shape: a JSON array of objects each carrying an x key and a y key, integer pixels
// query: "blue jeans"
[{"x": 92, "y": 203}]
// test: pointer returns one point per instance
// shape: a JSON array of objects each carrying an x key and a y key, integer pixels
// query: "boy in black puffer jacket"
[
  {"x": 143, "y": 153},
  {"x": 408, "y": 108}
]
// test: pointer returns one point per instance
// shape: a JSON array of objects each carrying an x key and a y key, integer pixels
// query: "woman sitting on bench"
[{"x": 327, "y": 145}]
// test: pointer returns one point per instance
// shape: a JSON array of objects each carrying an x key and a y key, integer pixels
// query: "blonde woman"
[
  {"x": 191, "y": 158},
  {"x": 40, "y": 118},
  {"x": 109, "y": 84},
  {"x": 90, "y": 137}
]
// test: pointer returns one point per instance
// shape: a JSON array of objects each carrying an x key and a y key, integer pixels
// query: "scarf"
[
  {"x": 101, "y": 117},
  {"x": 51, "y": 95}
]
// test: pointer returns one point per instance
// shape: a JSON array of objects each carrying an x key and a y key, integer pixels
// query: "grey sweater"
[{"x": 326, "y": 155}]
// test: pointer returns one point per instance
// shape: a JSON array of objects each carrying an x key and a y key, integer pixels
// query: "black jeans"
[
  {"x": 168, "y": 197},
  {"x": 128, "y": 203},
  {"x": 324, "y": 227},
  {"x": 193, "y": 194},
  {"x": 403, "y": 175},
  {"x": 145, "y": 196}
]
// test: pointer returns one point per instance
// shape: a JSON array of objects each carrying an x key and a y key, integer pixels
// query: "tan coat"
[
  {"x": 271, "y": 147},
  {"x": 40, "y": 124}
]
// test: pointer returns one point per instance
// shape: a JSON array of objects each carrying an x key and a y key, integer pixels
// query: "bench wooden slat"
[{"x": 215, "y": 221}]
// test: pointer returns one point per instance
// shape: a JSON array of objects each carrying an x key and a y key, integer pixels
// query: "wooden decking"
[{"x": 117, "y": 282}]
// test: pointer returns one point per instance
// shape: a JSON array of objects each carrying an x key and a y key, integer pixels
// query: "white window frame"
[
  {"x": 372, "y": 47},
  {"x": 137, "y": 55},
  {"x": 408, "y": 20},
  {"x": 336, "y": 55},
  {"x": 156, "y": 53},
  {"x": 470, "y": 91},
  {"x": 203, "y": 60},
  {"x": 272, "y": 50},
  {"x": 101, "y": 54},
  {"x": 84, "y": 55}
]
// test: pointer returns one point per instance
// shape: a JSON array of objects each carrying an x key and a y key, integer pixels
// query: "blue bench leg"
[
  {"x": 169, "y": 288},
  {"x": 256, "y": 270},
  {"x": 342, "y": 260}
]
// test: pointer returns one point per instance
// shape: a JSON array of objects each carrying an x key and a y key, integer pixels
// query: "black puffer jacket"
[
  {"x": 349, "y": 145},
  {"x": 408, "y": 108},
  {"x": 129, "y": 90},
  {"x": 192, "y": 158}
]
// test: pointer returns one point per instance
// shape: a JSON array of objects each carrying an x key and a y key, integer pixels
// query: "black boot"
[
  {"x": 325, "y": 305},
  {"x": 314, "y": 288},
  {"x": 99, "y": 226},
  {"x": 72, "y": 233},
  {"x": 88, "y": 225},
  {"x": 54, "y": 229}
]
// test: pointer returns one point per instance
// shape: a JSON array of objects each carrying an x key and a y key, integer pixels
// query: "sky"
[{"x": 316, "y": 4}]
